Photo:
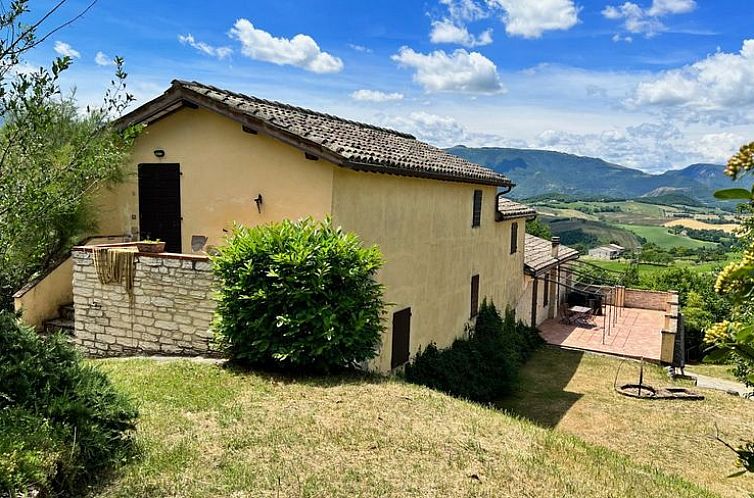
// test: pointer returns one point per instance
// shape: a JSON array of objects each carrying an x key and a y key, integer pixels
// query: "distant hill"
[{"x": 538, "y": 172}]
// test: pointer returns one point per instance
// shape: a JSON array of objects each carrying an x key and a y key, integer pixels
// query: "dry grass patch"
[
  {"x": 701, "y": 225},
  {"x": 207, "y": 431},
  {"x": 573, "y": 392}
]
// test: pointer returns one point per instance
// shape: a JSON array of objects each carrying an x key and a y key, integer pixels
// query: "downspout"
[{"x": 497, "y": 201}]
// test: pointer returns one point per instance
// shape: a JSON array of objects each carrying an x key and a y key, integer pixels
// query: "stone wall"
[
  {"x": 169, "y": 312},
  {"x": 648, "y": 300}
]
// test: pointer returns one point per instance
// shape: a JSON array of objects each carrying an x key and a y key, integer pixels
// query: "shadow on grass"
[
  {"x": 541, "y": 394},
  {"x": 308, "y": 378}
]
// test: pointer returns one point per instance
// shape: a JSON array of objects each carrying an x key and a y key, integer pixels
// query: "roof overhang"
[
  {"x": 539, "y": 271},
  {"x": 178, "y": 97}
]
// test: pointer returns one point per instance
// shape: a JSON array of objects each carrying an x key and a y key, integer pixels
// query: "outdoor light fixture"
[
  {"x": 259, "y": 201},
  {"x": 159, "y": 153}
]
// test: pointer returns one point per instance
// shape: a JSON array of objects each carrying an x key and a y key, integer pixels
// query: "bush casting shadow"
[{"x": 540, "y": 393}]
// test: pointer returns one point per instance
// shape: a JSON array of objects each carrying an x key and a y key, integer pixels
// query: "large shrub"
[
  {"x": 483, "y": 367},
  {"x": 62, "y": 424},
  {"x": 298, "y": 295}
]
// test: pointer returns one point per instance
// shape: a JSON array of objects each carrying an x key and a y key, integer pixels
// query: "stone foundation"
[{"x": 169, "y": 312}]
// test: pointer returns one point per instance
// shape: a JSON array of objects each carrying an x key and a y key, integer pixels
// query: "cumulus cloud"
[
  {"x": 64, "y": 49},
  {"x": 716, "y": 147},
  {"x": 446, "y": 31},
  {"x": 720, "y": 84},
  {"x": 453, "y": 27},
  {"x": 102, "y": 59},
  {"x": 360, "y": 48},
  {"x": 460, "y": 71},
  {"x": 300, "y": 51},
  {"x": 662, "y": 7},
  {"x": 646, "y": 21},
  {"x": 218, "y": 52},
  {"x": 375, "y": 96},
  {"x": 530, "y": 19},
  {"x": 442, "y": 131}
]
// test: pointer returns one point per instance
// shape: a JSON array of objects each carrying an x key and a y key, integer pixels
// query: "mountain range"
[{"x": 539, "y": 172}]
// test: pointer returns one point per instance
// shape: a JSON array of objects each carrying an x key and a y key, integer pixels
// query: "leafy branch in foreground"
[{"x": 53, "y": 155}]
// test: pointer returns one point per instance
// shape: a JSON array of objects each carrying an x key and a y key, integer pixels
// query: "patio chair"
[{"x": 564, "y": 314}]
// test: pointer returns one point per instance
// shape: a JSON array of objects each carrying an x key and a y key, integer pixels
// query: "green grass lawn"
[
  {"x": 646, "y": 270},
  {"x": 662, "y": 237},
  {"x": 209, "y": 431},
  {"x": 724, "y": 372},
  {"x": 573, "y": 392}
]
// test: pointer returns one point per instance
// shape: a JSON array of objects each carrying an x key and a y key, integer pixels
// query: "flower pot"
[{"x": 151, "y": 247}]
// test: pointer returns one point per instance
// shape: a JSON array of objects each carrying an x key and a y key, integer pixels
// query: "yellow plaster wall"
[
  {"x": 41, "y": 302},
  {"x": 223, "y": 170},
  {"x": 423, "y": 228}
]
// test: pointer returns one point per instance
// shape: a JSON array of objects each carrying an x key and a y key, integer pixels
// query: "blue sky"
[{"x": 652, "y": 84}]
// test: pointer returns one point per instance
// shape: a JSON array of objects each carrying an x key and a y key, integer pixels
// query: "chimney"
[{"x": 555, "y": 246}]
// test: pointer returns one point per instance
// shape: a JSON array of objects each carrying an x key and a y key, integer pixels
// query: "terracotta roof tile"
[
  {"x": 356, "y": 145},
  {"x": 509, "y": 210},
  {"x": 538, "y": 254}
]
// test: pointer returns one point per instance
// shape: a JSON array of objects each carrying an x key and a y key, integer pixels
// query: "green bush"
[
  {"x": 63, "y": 424},
  {"x": 483, "y": 367},
  {"x": 298, "y": 295}
]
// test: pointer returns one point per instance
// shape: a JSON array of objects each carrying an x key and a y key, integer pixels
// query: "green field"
[
  {"x": 648, "y": 270},
  {"x": 664, "y": 238}
]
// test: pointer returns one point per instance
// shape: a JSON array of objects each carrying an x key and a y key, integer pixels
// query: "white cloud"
[
  {"x": 102, "y": 59},
  {"x": 218, "y": 52},
  {"x": 376, "y": 96},
  {"x": 716, "y": 147},
  {"x": 446, "y": 31},
  {"x": 460, "y": 71},
  {"x": 720, "y": 84},
  {"x": 360, "y": 48},
  {"x": 442, "y": 131},
  {"x": 64, "y": 49},
  {"x": 300, "y": 51},
  {"x": 529, "y": 19},
  {"x": 646, "y": 21},
  {"x": 662, "y": 7},
  {"x": 465, "y": 10}
]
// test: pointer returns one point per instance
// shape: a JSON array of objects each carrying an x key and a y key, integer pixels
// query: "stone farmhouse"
[{"x": 209, "y": 158}]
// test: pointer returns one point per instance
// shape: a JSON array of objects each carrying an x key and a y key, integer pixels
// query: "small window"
[
  {"x": 514, "y": 238},
  {"x": 474, "y": 295},
  {"x": 401, "y": 338},
  {"x": 546, "y": 297},
  {"x": 476, "y": 218}
]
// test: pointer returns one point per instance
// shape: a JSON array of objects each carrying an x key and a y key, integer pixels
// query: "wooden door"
[
  {"x": 160, "y": 204},
  {"x": 401, "y": 338}
]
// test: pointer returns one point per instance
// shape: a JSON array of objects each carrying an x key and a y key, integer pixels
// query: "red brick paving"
[{"x": 636, "y": 333}]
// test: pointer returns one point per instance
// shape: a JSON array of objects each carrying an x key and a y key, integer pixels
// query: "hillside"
[
  {"x": 538, "y": 172},
  {"x": 209, "y": 431}
]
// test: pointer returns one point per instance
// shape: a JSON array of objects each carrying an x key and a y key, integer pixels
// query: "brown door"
[
  {"x": 160, "y": 204},
  {"x": 401, "y": 337}
]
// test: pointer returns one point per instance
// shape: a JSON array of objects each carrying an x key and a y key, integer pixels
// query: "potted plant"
[{"x": 151, "y": 246}]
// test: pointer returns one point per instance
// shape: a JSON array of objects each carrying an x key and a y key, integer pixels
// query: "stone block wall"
[{"x": 168, "y": 313}]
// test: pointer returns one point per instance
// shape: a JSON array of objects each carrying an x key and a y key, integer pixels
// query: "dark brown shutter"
[
  {"x": 514, "y": 238},
  {"x": 476, "y": 219},
  {"x": 474, "y": 295},
  {"x": 401, "y": 337},
  {"x": 546, "y": 298}
]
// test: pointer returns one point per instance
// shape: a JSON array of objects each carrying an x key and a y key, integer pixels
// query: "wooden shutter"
[
  {"x": 401, "y": 338},
  {"x": 514, "y": 238},
  {"x": 546, "y": 298},
  {"x": 474, "y": 295},
  {"x": 476, "y": 218}
]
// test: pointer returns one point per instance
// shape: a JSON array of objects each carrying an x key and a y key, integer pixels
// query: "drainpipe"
[{"x": 498, "y": 215}]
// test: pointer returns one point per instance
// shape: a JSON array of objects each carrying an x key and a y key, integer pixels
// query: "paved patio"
[{"x": 636, "y": 333}]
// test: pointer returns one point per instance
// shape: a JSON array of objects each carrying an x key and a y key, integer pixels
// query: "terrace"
[{"x": 626, "y": 322}]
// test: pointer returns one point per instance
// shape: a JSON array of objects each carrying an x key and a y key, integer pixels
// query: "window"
[
  {"x": 514, "y": 238},
  {"x": 474, "y": 295},
  {"x": 546, "y": 297},
  {"x": 476, "y": 218},
  {"x": 401, "y": 338}
]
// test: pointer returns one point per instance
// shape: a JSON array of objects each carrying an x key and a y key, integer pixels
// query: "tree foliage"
[
  {"x": 734, "y": 338},
  {"x": 53, "y": 154},
  {"x": 298, "y": 295}
]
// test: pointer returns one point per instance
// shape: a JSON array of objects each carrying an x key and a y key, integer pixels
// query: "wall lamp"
[
  {"x": 258, "y": 200},
  {"x": 159, "y": 153}
]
